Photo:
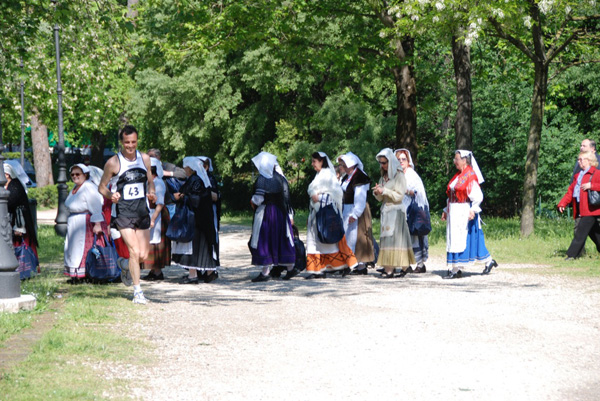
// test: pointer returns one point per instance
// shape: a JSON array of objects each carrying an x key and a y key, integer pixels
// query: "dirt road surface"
[{"x": 509, "y": 335}]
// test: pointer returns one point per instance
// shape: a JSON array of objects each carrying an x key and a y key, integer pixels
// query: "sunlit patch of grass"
[
  {"x": 43, "y": 287},
  {"x": 51, "y": 246},
  {"x": 546, "y": 247},
  {"x": 84, "y": 356}
]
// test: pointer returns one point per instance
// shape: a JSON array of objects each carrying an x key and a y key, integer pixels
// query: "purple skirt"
[{"x": 274, "y": 247}]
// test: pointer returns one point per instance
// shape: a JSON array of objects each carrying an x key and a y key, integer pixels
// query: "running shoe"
[
  {"x": 139, "y": 298},
  {"x": 125, "y": 273}
]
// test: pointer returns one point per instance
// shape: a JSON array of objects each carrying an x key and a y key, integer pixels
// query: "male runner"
[{"x": 129, "y": 171}]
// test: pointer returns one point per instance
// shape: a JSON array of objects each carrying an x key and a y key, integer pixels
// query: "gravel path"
[{"x": 509, "y": 335}]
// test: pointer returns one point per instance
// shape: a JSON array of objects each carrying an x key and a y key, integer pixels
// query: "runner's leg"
[{"x": 137, "y": 242}]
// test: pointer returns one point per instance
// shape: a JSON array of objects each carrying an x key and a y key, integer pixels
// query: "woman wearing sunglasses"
[{"x": 84, "y": 204}]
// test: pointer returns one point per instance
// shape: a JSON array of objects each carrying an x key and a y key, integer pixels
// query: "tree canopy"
[{"x": 231, "y": 78}]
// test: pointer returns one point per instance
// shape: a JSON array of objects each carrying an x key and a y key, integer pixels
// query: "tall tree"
[
  {"x": 463, "y": 124},
  {"x": 547, "y": 32},
  {"x": 403, "y": 72}
]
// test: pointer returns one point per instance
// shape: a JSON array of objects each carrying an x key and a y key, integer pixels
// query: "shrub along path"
[{"x": 515, "y": 334}]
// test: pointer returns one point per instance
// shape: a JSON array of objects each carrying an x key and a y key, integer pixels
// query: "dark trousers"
[{"x": 587, "y": 226}]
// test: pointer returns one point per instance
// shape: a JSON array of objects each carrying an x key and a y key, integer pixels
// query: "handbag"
[
  {"x": 101, "y": 261},
  {"x": 418, "y": 219},
  {"x": 593, "y": 196},
  {"x": 181, "y": 227},
  {"x": 330, "y": 226},
  {"x": 300, "y": 249},
  {"x": 28, "y": 262}
]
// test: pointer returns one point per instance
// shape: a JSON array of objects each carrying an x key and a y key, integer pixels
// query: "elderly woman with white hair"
[
  {"x": 199, "y": 255},
  {"x": 84, "y": 204},
  {"x": 395, "y": 242},
  {"x": 415, "y": 190},
  {"x": 357, "y": 213},
  {"x": 272, "y": 241},
  {"x": 19, "y": 212},
  {"x": 465, "y": 243}
]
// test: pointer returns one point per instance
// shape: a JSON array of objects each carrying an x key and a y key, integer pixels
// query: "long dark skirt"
[
  {"x": 274, "y": 247},
  {"x": 202, "y": 257}
]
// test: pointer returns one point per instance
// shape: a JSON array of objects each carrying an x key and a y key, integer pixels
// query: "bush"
[
  {"x": 17, "y": 156},
  {"x": 47, "y": 197},
  {"x": 236, "y": 192}
]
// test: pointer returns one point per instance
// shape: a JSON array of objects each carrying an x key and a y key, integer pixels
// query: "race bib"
[{"x": 133, "y": 191}]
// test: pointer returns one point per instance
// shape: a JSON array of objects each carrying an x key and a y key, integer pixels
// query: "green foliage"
[
  {"x": 94, "y": 67},
  {"x": 47, "y": 197},
  {"x": 17, "y": 156},
  {"x": 234, "y": 78}
]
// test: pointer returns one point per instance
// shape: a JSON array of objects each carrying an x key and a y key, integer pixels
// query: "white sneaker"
[{"x": 139, "y": 298}]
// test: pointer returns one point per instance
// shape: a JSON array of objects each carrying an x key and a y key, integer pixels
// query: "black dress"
[{"x": 204, "y": 253}]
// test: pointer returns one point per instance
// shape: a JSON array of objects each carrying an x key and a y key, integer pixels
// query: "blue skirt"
[
  {"x": 475, "y": 250},
  {"x": 274, "y": 247}
]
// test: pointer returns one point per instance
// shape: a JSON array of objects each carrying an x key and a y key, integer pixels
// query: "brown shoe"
[{"x": 422, "y": 269}]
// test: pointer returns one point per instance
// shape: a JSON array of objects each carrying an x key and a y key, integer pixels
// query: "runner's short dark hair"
[{"x": 127, "y": 130}]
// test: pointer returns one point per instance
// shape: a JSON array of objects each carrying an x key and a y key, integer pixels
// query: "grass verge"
[
  {"x": 76, "y": 358},
  {"x": 43, "y": 286}
]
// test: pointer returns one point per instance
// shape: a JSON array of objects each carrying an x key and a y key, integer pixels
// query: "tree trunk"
[
  {"x": 463, "y": 126},
  {"x": 41, "y": 152},
  {"x": 406, "y": 87},
  {"x": 98, "y": 144},
  {"x": 406, "y": 99},
  {"x": 533, "y": 147}
]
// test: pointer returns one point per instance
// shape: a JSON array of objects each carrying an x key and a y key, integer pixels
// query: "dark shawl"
[
  {"x": 17, "y": 199},
  {"x": 200, "y": 201}
]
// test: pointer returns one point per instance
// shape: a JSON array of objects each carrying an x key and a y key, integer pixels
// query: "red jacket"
[{"x": 583, "y": 197}]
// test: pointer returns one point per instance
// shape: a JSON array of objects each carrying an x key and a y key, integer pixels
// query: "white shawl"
[
  {"x": 393, "y": 163},
  {"x": 326, "y": 183}
]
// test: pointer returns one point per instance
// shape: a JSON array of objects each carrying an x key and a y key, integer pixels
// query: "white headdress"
[
  {"x": 204, "y": 159},
  {"x": 329, "y": 163},
  {"x": 350, "y": 159},
  {"x": 85, "y": 169},
  {"x": 15, "y": 170},
  {"x": 154, "y": 162},
  {"x": 196, "y": 164},
  {"x": 265, "y": 162},
  {"x": 410, "y": 161},
  {"x": 325, "y": 182},
  {"x": 466, "y": 153},
  {"x": 95, "y": 174},
  {"x": 393, "y": 163}
]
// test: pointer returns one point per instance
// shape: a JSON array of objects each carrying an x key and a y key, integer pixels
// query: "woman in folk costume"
[
  {"x": 414, "y": 190},
  {"x": 159, "y": 254},
  {"x": 272, "y": 242},
  {"x": 325, "y": 189},
  {"x": 357, "y": 213},
  {"x": 216, "y": 199},
  {"x": 84, "y": 204},
  {"x": 465, "y": 243},
  {"x": 198, "y": 255},
  {"x": 395, "y": 242},
  {"x": 19, "y": 212}
]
